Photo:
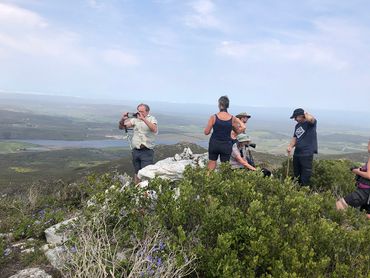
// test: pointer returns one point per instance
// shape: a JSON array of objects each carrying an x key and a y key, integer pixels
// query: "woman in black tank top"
[{"x": 220, "y": 143}]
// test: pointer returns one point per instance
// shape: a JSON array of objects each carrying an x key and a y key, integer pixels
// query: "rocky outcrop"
[
  {"x": 55, "y": 236},
  {"x": 173, "y": 167},
  {"x": 170, "y": 168},
  {"x": 56, "y": 256},
  {"x": 31, "y": 273}
]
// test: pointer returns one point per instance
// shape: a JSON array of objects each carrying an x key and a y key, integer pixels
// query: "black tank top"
[{"x": 222, "y": 129}]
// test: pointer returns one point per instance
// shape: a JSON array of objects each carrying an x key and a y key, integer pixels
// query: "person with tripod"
[
  {"x": 238, "y": 158},
  {"x": 305, "y": 142},
  {"x": 145, "y": 130}
]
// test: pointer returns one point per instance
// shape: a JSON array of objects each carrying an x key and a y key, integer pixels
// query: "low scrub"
[{"x": 232, "y": 223}]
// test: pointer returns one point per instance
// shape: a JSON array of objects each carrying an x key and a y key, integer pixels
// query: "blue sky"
[{"x": 308, "y": 53}]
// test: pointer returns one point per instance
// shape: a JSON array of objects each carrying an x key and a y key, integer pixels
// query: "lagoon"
[{"x": 96, "y": 144}]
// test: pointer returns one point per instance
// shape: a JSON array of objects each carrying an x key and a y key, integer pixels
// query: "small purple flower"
[
  {"x": 42, "y": 213},
  {"x": 159, "y": 262},
  {"x": 73, "y": 249},
  {"x": 161, "y": 245}
]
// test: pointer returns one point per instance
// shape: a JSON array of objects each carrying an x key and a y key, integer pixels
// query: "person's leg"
[
  {"x": 212, "y": 164},
  {"x": 297, "y": 167},
  {"x": 225, "y": 151},
  {"x": 146, "y": 158},
  {"x": 306, "y": 169},
  {"x": 136, "y": 163},
  {"x": 212, "y": 154},
  {"x": 356, "y": 199},
  {"x": 341, "y": 204}
]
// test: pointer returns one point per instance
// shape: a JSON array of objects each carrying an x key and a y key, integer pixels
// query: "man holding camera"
[
  {"x": 305, "y": 142},
  {"x": 143, "y": 140}
]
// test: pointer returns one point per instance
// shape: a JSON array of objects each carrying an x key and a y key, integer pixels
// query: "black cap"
[{"x": 297, "y": 112}]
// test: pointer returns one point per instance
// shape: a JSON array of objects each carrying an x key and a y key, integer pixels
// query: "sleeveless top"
[
  {"x": 222, "y": 130},
  {"x": 362, "y": 182}
]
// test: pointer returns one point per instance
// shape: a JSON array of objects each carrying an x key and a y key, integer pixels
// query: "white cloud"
[
  {"x": 119, "y": 58},
  {"x": 12, "y": 15},
  {"x": 276, "y": 51},
  {"x": 203, "y": 15},
  {"x": 27, "y": 33}
]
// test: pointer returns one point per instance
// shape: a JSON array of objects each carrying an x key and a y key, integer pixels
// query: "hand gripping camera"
[
  {"x": 129, "y": 115},
  {"x": 133, "y": 115}
]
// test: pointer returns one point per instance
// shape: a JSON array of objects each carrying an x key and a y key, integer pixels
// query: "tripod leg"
[{"x": 250, "y": 158}]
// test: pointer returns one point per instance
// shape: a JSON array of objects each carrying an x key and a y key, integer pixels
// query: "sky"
[{"x": 310, "y": 53}]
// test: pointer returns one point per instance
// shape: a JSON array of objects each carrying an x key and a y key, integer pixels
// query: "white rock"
[
  {"x": 58, "y": 234},
  {"x": 29, "y": 250},
  {"x": 143, "y": 184},
  {"x": 31, "y": 273},
  {"x": 124, "y": 179},
  {"x": 45, "y": 247},
  {"x": 20, "y": 245},
  {"x": 173, "y": 167},
  {"x": 56, "y": 256},
  {"x": 8, "y": 236}
]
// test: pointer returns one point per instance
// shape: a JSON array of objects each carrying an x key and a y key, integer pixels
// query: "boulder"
[
  {"x": 31, "y": 273},
  {"x": 57, "y": 256},
  {"x": 58, "y": 234},
  {"x": 173, "y": 167}
]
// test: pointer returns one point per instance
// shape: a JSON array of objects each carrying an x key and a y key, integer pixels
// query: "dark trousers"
[
  {"x": 141, "y": 158},
  {"x": 302, "y": 166}
]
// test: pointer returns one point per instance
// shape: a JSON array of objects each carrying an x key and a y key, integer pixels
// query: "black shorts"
[
  {"x": 219, "y": 148},
  {"x": 142, "y": 158},
  {"x": 358, "y": 198}
]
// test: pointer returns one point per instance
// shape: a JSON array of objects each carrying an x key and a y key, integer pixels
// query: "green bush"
[
  {"x": 34, "y": 225},
  {"x": 327, "y": 175},
  {"x": 333, "y": 175},
  {"x": 240, "y": 224}
]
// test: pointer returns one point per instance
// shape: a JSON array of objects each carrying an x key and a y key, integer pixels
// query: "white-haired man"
[{"x": 143, "y": 139}]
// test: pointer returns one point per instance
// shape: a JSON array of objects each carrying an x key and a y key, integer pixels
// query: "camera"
[
  {"x": 133, "y": 115},
  {"x": 252, "y": 145}
]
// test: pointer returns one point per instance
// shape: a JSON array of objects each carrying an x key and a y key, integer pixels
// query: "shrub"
[
  {"x": 333, "y": 175},
  {"x": 248, "y": 225},
  {"x": 327, "y": 175},
  {"x": 240, "y": 224}
]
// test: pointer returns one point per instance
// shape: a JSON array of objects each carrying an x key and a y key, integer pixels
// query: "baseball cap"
[{"x": 297, "y": 112}]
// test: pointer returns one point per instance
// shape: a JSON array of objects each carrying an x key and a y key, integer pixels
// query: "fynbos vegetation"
[{"x": 225, "y": 224}]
